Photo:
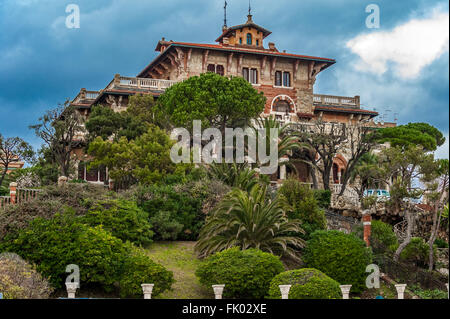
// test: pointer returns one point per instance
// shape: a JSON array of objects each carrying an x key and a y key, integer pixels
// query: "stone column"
[
  {"x": 71, "y": 289},
  {"x": 13, "y": 192},
  {"x": 400, "y": 291},
  {"x": 147, "y": 289},
  {"x": 367, "y": 223},
  {"x": 285, "y": 291},
  {"x": 218, "y": 291},
  {"x": 345, "y": 291}
]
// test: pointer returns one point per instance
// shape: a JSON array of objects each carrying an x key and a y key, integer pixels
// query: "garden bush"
[
  {"x": 307, "y": 283},
  {"x": 245, "y": 273},
  {"x": 341, "y": 256},
  {"x": 102, "y": 258},
  {"x": 305, "y": 207},
  {"x": 78, "y": 198},
  {"x": 323, "y": 198},
  {"x": 185, "y": 204},
  {"x": 20, "y": 280},
  {"x": 440, "y": 243},
  {"x": 417, "y": 252},
  {"x": 165, "y": 226},
  {"x": 383, "y": 238},
  {"x": 124, "y": 219}
]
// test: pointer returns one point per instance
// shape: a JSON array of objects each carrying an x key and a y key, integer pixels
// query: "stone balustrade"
[{"x": 334, "y": 100}]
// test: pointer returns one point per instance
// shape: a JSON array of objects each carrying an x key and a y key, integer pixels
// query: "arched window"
[
  {"x": 249, "y": 39},
  {"x": 281, "y": 106},
  {"x": 211, "y": 68},
  {"x": 335, "y": 173}
]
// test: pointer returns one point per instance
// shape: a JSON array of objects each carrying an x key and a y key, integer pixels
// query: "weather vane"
[
  {"x": 249, "y": 8},
  {"x": 225, "y": 15}
]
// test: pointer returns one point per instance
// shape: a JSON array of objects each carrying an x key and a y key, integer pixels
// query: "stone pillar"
[
  {"x": 367, "y": 223},
  {"x": 400, "y": 291},
  {"x": 147, "y": 289},
  {"x": 71, "y": 289},
  {"x": 345, "y": 291},
  {"x": 218, "y": 291},
  {"x": 13, "y": 192},
  {"x": 285, "y": 291}
]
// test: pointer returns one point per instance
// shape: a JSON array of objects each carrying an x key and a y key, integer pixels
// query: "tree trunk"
[
  {"x": 314, "y": 178},
  {"x": 410, "y": 221},
  {"x": 2, "y": 178},
  {"x": 326, "y": 178}
]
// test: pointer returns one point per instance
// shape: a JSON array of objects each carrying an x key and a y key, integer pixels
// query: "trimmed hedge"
[
  {"x": 383, "y": 238},
  {"x": 307, "y": 283},
  {"x": 245, "y": 273},
  {"x": 342, "y": 257}
]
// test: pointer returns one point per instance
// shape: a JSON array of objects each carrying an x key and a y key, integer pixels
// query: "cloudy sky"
[{"x": 400, "y": 69}]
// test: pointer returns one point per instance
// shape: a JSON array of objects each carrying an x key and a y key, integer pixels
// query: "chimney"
[{"x": 272, "y": 47}]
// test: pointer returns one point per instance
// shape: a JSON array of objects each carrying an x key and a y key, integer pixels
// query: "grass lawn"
[{"x": 180, "y": 258}]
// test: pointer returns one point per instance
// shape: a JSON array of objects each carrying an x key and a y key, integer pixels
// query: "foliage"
[
  {"x": 215, "y": 100},
  {"x": 342, "y": 257},
  {"x": 417, "y": 252},
  {"x": 306, "y": 283},
  {"x": 145, "y": 159},
  {"x": 383, "y": 238},
  {"x": 250, "y": 220},
  {"x": 58, "y": 129},
  {"x": 412, "y": 134},
  {"x": 78, "y": 198},
  {"x": 440, "y": 243},
  {"x": 429, "y": 294},
  {"x": 245, "y": 273},
  {"x": 124, "y": 219},
  {"x": 185, "y": 204},
  {"x": 13, "y": 149},
  {"x": 235, "y": 175},
  {"x": 305, "y": 207},
  {"x": 140, "y": 269},
  {"x": 104, "y": 260},
  {"x": 166, "y": 226},
  {"x": 323, "y": 198},
  {"x": 20, "y": 280}
]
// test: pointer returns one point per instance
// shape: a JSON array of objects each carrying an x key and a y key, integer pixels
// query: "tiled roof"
[
  {"x": 265, "y": 32},
  {"x": 338, "y": 109},
  {"x": 239, "y": 50}
]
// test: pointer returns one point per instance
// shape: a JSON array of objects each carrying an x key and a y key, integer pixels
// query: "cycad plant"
[{"x": 251, "y": 220}]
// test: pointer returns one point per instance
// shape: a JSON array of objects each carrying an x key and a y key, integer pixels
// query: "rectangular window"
[
  {"x": 245, "y": 73},
  {"x": 211, "y": 68},
  {"x": 257, "y": 43},
  {"x": 254, "y": 76},
  {"x": 286, "y": 79},
  {"x": 278, "y": 80},
  {"x": 240, "y": 40},
  {"x": 220, "y": 70}
]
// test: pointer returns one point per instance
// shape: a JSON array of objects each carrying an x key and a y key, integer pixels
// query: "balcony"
[
  {"x": 333, "y": 100},
  {"x": 139, "y": 83}
]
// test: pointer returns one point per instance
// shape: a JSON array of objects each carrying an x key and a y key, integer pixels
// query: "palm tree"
[
  {"x": 250, "y": 220},
  {"x": 287, "y": 142},
  {"x": 236, "y": 175}
]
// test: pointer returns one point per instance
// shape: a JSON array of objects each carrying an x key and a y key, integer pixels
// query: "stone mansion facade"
[{"x": 287, "y": 80}]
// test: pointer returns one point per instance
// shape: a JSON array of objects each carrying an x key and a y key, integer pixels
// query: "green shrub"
[
  {"x": 140, "y": 269},
  {"x": 124, "y": 219},
  {"x": 305, "y": 207},
  {"x": 185, "y": 204},
  {"x": 20, "y": 280},
  {"x": 429, "y": 294},
  {"x": 245, "y": 273},
  {"x": 383, "y": 238},
  {"x": 306, "y": 283},
  {"x": 342, "y": 257},
  {"x": 165, "y": 226},
  {"x": 440, "y": 243},
  {"x": 103, "y": 259},
  {"x": 417, "y": 252},
  {"x": 323, "y": 197}
]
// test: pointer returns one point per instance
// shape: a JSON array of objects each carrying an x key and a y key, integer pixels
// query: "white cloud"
[
  {"x": 409, "y": 47},
  {"x": 443, "y": 151}
]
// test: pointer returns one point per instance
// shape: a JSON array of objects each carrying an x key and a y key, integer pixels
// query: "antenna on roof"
[{"x": 225, "y": 15}]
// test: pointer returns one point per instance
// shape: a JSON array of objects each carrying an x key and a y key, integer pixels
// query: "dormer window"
[{"x": 249, "y": 39}]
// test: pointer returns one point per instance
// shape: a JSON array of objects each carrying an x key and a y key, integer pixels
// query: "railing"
[
  {"x": 145, "y": 83},
  {"x": 26, "y": 194},
  {"x": 85, "y": 95},
  {"x": 91, "y": 95},
  {"x": 337, "y": 100},
  {"x": 4, "y": 201}
]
